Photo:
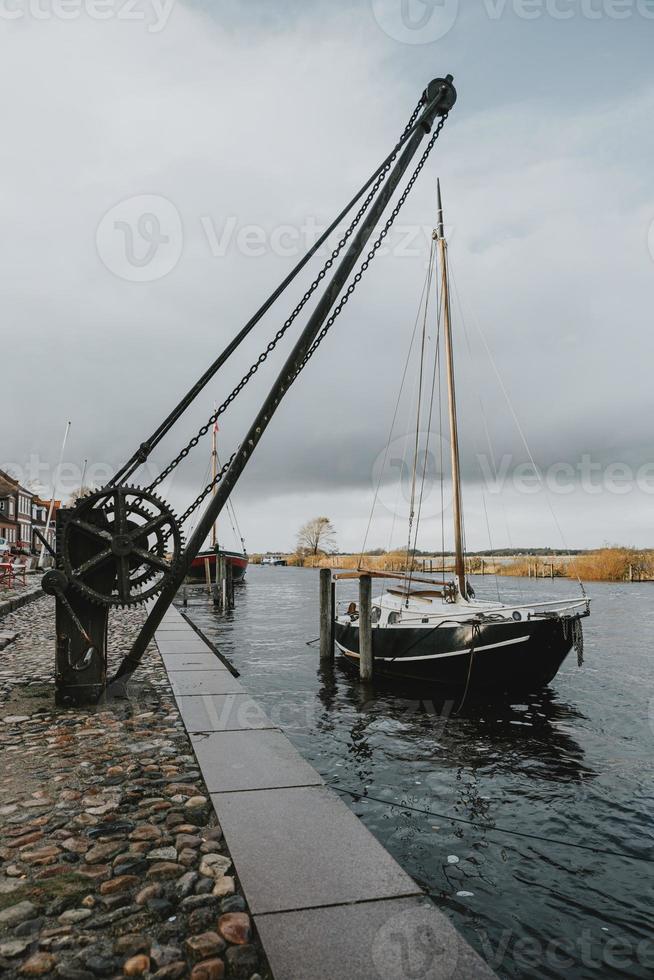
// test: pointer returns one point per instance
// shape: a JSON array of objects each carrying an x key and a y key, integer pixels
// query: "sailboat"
[
  {"x": 208, "y": 557},
  {"x": 437, "y": 632}
]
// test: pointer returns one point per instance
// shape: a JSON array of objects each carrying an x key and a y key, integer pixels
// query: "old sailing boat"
[
  {"x": 438, "y": 632},
  {"x": 208, "y": 557}
]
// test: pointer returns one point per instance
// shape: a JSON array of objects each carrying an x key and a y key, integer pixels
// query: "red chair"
[
  {"x": 6, "y": 574},
  {"x": 19, "y": 570}
]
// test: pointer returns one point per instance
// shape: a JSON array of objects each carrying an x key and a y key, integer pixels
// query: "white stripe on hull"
[{"x": 436, "y": 656}]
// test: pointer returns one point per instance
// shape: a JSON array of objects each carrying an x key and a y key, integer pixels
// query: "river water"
[{"x": 444, "y": 791}]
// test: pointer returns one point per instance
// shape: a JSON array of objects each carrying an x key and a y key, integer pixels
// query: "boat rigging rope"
[
  {"x": 523, "y": 438},
  {"x": 414, "y": 472},
  {"x": 483, "y": 414},
  {"x": 493, "y": 830},
  {"x": 435, "y": 374},
  {"x": 382, "y": 469},
  {"x": 476, "y": 633},
  {"x": 491, "y": 451}
]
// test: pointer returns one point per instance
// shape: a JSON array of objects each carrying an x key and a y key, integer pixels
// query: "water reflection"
[
  {"x": 450, "y": 790},
  {"x": 530, "y": 735}
]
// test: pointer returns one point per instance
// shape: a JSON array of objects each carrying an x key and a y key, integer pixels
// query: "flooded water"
[{"x": 449, "y": 794}]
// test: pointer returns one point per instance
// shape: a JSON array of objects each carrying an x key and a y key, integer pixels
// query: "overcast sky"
[{"x": 163, "y": 165}]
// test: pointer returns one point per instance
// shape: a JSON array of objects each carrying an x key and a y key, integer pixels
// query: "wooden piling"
[
  {"x": 326, "y": 616},
  {"x": 333, "y": 615},
  {"x": 223, "y": 584},
  {"x": 365, "y": 628},
  {"x": 229, "y": 585},
  {"x": 219, "y": 585},
  {"x": 207, "y": 574}
]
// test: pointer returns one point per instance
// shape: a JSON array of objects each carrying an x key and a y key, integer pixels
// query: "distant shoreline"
[{"x": 617, "y": 564}]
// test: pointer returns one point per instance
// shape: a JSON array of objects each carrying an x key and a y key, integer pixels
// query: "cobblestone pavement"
[{"x": 112, "y": 863}]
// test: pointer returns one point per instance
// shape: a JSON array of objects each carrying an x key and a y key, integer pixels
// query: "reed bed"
[{"x": 608, "y": 564}]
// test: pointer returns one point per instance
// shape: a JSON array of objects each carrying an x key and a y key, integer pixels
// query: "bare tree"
[
  {"x": 78, "y": 494},
  {"x": 317, "y": 535}
]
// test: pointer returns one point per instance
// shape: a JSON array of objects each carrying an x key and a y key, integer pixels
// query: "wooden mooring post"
[
  {"x": 327, "y": 611},
  {"x": 365, "y": 628},
  {"x": 333, "y": 615},
  {"x": 229, "y": 585},
  {"x": 219, "y": 585}
]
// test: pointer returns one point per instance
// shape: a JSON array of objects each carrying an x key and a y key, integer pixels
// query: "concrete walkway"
[{"x": 327, "y": 899}]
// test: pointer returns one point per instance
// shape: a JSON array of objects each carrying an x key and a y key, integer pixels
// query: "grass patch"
[{"x": 69, "y": 884}]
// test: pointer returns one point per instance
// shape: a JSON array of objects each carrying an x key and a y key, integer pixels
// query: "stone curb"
[
  {"x": 9, "y": 605},
  {"x": 306, "y": 864}
]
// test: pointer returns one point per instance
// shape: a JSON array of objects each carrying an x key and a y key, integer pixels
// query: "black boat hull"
[{"x": 507, "y": 656}]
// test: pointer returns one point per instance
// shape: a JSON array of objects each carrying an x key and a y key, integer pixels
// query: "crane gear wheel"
[{"x": 119, "y": 546}]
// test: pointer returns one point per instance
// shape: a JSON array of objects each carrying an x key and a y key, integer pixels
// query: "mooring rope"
[
  {"x": 497, "y": 830},
  {"x": 476, "y": 633}
]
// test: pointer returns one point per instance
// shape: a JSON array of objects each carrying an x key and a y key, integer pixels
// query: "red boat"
[{"x": 238, "y": 562}]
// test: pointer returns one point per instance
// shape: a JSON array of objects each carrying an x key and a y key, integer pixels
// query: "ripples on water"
[{"x": 573, "y": 762}]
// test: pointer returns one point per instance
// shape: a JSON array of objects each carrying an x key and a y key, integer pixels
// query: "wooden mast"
[
  {"x": 459, "y": 564},
  {"x": 214, "y": 473}
]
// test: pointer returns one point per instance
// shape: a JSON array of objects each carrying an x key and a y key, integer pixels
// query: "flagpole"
[{"x": 54, "y": 493}]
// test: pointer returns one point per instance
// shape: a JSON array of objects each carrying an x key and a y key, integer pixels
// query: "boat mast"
[
  {"x": 459, "y": 564},
  {"x": 214, "y": 473}
]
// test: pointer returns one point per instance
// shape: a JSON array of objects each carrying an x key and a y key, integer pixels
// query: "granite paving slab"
[
  {"x": 177, "y": 634},
  {"x": 251, "y": 760},
  {"x": 216, "y": 681},
  {"x": 222, "y": 713},
  {"x": 192, "y": 661},
  {"x": 314, "y": 850},
  {"x": 406, "y": 937},
  {"x": 192, "y": 644}
]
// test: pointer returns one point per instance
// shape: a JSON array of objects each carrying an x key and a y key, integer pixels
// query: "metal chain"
[
  {"x": 296, "y": 312},
  {"x": 207, "y": 490},
  {"x": 373, "y": 251},
  {"x": 337, "y": 310}
]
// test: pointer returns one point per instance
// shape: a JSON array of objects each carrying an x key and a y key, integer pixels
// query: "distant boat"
[
  {"x": 273, "y": 560},
  {"x": 436, "y": 631},
  {"x": 238, "y": 561}
]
